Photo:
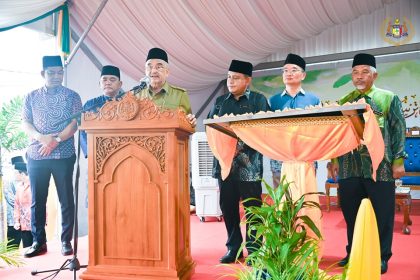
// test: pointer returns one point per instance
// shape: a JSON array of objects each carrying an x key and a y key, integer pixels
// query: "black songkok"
[
  {"x": 295, "y": 59},
  {"x": 157, "y": 53},
  {"x": 51, "y": 61},
  {"x": 110, "y": 70},
  {"x": 241, "y": 67},
  {"x": 21, "y": 166},
  {"x": 16, "y": 159},
  {"x": 364, "y": 59}
]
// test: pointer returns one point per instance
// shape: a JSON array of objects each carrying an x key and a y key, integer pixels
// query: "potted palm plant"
[{"x": 286, "y": 251}]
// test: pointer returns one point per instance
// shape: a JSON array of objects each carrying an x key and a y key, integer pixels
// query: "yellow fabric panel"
[{"x": 365, "y": 257}]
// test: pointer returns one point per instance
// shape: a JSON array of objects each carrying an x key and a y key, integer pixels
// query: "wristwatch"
[{"x": 58, "y": 139}]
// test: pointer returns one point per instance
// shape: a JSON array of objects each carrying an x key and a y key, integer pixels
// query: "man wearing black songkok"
[
  {"x": 9, "y": 191},
  {"x": 159, "y": 90},
  {"x": 110, "y": 84},
  {"x": 244, "y": 180},
  {"x": 293, "y": 96},
  {"x": 355, "y": 168},
  {"x": 48, "y": 120}
]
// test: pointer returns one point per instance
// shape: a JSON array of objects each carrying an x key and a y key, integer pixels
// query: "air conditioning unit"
[{"x": 207, "y": 194}]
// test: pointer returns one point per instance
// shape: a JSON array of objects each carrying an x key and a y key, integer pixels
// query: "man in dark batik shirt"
[
  {"x": 110, "y": 83},
  {"x": 355, "y": 168},
  {"x": 244, "y": 180},
  {"x": 47, "y": 118}
]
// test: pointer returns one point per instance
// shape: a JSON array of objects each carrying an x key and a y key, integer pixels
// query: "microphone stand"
[
  {"x": 143, "y": 84},
  {"x": 78, "y": 114},
  {"x": 72, "y": 264},
  {"x": 90, "y": 108}
]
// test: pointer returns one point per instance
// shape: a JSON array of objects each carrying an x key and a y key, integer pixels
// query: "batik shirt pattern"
[
  {"x": 388, "y": 111},
  {"x": 50, "y": 111},
  {"x": 247, "y": 164}
]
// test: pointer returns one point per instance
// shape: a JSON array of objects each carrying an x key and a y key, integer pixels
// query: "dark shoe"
[
  {"x": 66, "y": 248},
  {"x": 35, "y": 250},
  {"x": 384, "y": 266},
  {"x": 230, "y": 257},
  {"x": 262, "y": 274},
  {"x": 343, "y": 262}
]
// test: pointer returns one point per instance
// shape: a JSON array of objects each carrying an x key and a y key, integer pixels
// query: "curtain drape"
[
  {"x": 14, "y": 13},
  {"x": 203, "y": 36}
]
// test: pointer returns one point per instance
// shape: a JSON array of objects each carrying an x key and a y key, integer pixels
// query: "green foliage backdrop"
[
  {"x": 12, "y": 136},
  {"x": 401, "y": 77}
]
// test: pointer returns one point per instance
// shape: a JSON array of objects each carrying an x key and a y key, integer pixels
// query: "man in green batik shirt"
[
  {"x": 159, "y": 91},
  {"x": 355, "y": 168}
]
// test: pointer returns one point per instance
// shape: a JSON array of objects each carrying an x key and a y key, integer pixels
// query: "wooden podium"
[{"x": 139, "y": 219}]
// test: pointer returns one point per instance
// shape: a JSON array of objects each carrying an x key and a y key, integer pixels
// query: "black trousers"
[
  {"x": 231, "y": 191},
  {"x": 382, "y": 197},
  {"x": 27, "y": 238},
  {"x": 13, "y": 236},
  {"x": 40, "y": 172}
]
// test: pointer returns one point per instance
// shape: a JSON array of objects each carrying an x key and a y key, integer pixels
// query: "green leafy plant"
[
  {"x": 10, "y": 255},
  {"x": 286, "y": 251},
  {"x": 12, "y": 136}
]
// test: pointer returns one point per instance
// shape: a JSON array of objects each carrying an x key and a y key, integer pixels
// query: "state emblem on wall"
[{"x": 397, "y": 32}]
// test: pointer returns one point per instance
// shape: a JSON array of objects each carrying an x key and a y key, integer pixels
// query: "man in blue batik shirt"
[
  {"x": 110, "y": 84},
  {"x": 48, "y": 119},
  {"x": 292, "y": 97}
]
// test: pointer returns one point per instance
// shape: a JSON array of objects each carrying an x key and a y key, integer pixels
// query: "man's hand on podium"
[{"x": 192, "y": 120}]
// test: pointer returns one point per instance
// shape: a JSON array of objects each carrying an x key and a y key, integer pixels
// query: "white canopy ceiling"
[
  {"x": 15, "y": 12},
  {"x": 203, "y": 36}
]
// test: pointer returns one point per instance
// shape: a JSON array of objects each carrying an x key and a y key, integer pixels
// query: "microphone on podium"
[{"x": 144, "y": 82}]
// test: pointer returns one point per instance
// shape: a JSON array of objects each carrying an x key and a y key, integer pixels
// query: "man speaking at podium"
[{"x": 159, "y": 90}]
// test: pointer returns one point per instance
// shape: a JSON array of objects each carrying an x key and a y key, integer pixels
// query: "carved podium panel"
[{"x": 139, "y": 219}]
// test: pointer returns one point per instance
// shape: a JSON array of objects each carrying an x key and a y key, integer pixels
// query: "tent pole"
[
  {"x": 95, "y": 16},
  {"x": 87, "y": 51},
  {"x": 210, "y": 98}
]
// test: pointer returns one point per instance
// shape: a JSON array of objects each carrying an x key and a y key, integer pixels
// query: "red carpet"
[{"x": 208, "y": 241}]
